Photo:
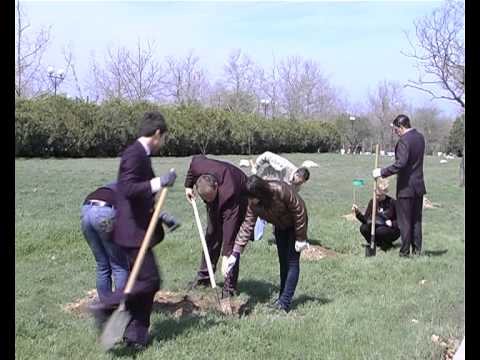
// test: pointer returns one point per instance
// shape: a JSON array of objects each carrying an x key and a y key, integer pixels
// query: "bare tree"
[
  {"x": 434, "y": 128},
  {"x": 240, "y": 88},
  {"x": 134, "y": 75},
  {"x": 304, "y": 90},
  {"x": 386, "y": 101},
  {"x": 440, "y": 53},
  {"x": 70, "y": 69},
  {"x": 186, "y": 82},
  {"x": 270, "y": 88},
  {"x": 29, "y": 73}
]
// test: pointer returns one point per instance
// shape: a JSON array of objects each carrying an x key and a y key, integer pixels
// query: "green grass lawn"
[{"x": 347, "y": 307}]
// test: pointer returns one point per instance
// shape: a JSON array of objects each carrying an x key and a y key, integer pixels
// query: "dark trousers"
[
  {"x": 140, "y": 300},
  {"x": 409, "y": 218},
  {"x": 214, "y": 240},
  {"x": 289, "y": 260},
  {"x": 384, "y": 235},
  {"x": 214, "y": 246}
]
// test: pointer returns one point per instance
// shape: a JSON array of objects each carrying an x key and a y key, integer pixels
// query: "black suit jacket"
[
  {"x": 409, "y": 153},
  {"x": 134, "y": 198},
  {"x": 385, "y": 211}
]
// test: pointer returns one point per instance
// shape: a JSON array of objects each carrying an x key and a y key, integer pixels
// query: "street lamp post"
[
  {"x": 55, "y": 78},
  {"x": 352, "y": 119},
  {"x": 265, "y": 103}
]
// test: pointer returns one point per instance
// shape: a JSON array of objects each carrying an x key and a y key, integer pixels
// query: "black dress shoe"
[
  {"x": 198, "y": 283},
  {"x": 229, "y": 293},
  {"x": 170, "y": 222},
  {"x": 101, "y": 313},
  {"x": 135, "y": 346},
  {"x": 278, "y": 306}
]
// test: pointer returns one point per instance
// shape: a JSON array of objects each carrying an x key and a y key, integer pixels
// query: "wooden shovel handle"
[
  {"x": 146, "y": 242},
  {"x": 204, "y": 245},
  {"x": 374, "y": 207}
]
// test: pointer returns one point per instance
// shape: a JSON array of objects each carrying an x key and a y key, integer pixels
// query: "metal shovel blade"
[{"x": 115, "y": 327}]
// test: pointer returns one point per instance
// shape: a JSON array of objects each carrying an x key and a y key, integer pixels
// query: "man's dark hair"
[
  {"x": 259, "y": 189},
  {"x": 303, "y": 172},
  {"x": 152, "y": 121},
  {"x": 402, "y": 120}
]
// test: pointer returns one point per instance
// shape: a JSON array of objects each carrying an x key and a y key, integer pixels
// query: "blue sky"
[{"x": 357, "y": 43}]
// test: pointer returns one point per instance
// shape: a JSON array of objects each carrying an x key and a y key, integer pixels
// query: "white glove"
[
  {"x": 377, "y": 173},
  {"x": 301, "y": 245},
  {"x": 388, "y": 223},
  {"x": 231, "y": 261},
  {"x": 224, "y": 265},
  {"x": 189, "y": 194}
]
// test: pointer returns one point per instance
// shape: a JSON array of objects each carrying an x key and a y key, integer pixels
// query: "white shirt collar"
[
  {"x": 144, "y": 141},
  {"x": 407, "y": 130}
]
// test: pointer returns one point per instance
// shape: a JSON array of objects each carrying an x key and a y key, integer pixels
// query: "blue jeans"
[
  {"x": 259, "y": 229},
  {"x": 97, "y": 226},
  {"x": 289, "y": 260}
]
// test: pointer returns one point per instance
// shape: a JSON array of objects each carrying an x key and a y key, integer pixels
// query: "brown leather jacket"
[{"x": 287, "y": 210}]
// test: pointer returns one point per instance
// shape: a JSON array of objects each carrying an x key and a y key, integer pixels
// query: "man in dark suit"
[
  {"x": 222, "y": 187},
  {"x": 137, "y": 186},
  {"x": 409, "y": 153}
]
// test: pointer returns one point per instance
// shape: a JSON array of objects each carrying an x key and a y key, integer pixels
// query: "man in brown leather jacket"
[{"x": 279, "y": 204}]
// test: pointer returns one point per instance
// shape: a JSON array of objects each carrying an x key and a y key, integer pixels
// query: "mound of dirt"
[
  {"x": 350, "y": 217},
  {"x": 427, "y": 204},
  {"x": 449, "y": 346},
  {"x": 316, "y": 252},
  {"x": 175, "y": 304},
  {"x": 80, "y": 307}
]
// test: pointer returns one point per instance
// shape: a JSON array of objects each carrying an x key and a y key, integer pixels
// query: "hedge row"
[{"x": 61, "y": 127}]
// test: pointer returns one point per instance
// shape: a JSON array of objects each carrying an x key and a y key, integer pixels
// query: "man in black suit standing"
[
  {"x": 137, "y": 186},
  {"x": 409, "y": 153}
]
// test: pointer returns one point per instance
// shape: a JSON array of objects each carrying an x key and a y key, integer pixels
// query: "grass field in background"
[{"x": 347, "y": 307}]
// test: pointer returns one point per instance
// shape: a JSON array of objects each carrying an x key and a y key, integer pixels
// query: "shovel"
[
  {"x": 118, "y": 322},
  {"x": 371, "y": 249},
  {"x": 224, "y": 304}
]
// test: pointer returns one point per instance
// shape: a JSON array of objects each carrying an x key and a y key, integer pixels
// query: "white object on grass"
[
  {"x": 244, "y": 163},
  {"x": 309, "y": 163}
]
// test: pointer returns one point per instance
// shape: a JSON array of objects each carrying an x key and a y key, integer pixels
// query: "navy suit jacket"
[
  {"x": 135, "y": 199},
  {"x": 408, "y": 165}
]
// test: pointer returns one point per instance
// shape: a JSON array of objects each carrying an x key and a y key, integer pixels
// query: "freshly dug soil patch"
[
  {"x": 316, "y": 252},
  {"x": 427, "y": 204},
  {"x": 167, "y": 302},
  {"x": 350, "y": 217}
]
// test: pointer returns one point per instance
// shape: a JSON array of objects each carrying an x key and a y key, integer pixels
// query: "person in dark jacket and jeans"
[
  {"x": 279, "y": 204},
  {"x": 386, "y": 227},
  {"x": 97, "y": 220}
]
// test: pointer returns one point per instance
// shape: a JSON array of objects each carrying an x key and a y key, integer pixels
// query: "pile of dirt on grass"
[
  {"x": 450, "y": 346},
  {"x": 175, "y": 304},
  {"x": 80, "y": 306},
  {"x": 427, "y": 204},
  {"x": 350, "y": 217},
  {"x": 316, "y": 252}
]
